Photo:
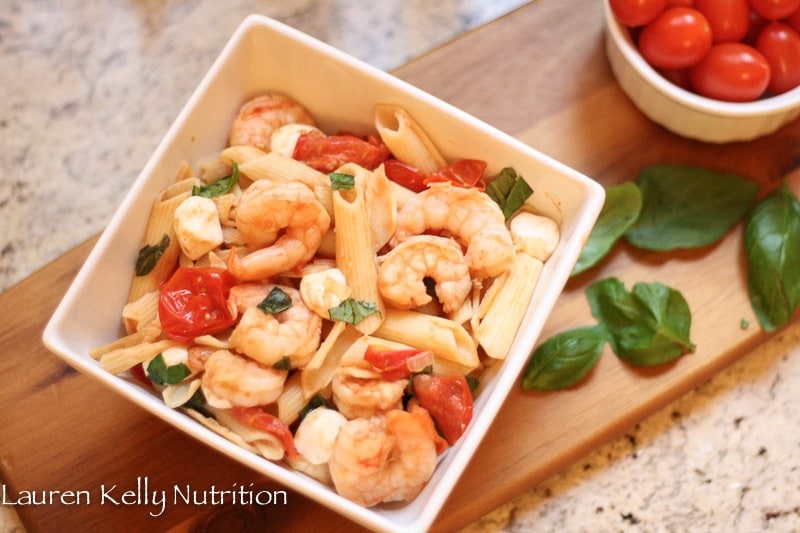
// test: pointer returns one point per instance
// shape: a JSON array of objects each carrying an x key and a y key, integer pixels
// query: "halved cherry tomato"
[
  {"x": 780, "y": 45},
  {"x": 406, "y": 175},
  {"x": 448, "y": 400},
  {"x": 464, "y": 173},
  {"x": 729, "y": 19},
  {"x": 634, "y": 13},
  {"x": 678, "y": 38},
  {"x": 391, "y": 364},
  {"x": 257, "y": 418},
  {"x": 735, "y": 72},
  {"x": 326, "y": 153},
  {"x": 194, "y": 302},
  {"x": 774, "y": 9}
]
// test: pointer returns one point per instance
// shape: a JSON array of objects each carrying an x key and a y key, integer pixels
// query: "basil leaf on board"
[
  {"x": 276, "y": 301},
  {"x": 620, "y": 210},
  {"x": 509, "y": 191},
  {"x": 341, "y": 181},
  {"x": 647, "y": 326},
  {"x": 148, "y": 256},
  {"x": 772, "y": 242},
  {"x": 159, "y": 373},
  {"x": 688, "y": 207},
  {"x": 565, "y": 358},
  {"x": 220, "y": 187},
  {"x": 352, "y": 311}
]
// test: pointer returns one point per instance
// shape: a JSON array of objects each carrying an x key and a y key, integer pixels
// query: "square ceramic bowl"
[
  {"x": 340, "y": 92},
  {"x": 684, "y": 112}
]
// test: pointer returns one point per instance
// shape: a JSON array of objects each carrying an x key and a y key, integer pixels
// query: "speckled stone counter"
[{"x": 88, "y": 89}]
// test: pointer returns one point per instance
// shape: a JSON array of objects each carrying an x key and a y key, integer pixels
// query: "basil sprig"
[
  {"x": 509, "y": 191},
  {"x": 352, "y": 311},
  {"x": 159, "y": 373},
  {"x": 772, "y": 242},
  {"x": 565, "y": 358}
]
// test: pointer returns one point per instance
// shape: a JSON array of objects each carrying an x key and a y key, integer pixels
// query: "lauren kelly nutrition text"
[{"x": 155, "y": 501}]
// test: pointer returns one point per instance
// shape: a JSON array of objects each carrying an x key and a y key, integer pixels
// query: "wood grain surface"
[{"x": 538, "y": 73}]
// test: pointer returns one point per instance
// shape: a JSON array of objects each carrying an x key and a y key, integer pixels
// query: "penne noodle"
[
  {"x": 148, "y": 334},
  {"x": 499, "y": 326},
  {"x": 354, "y": 253},
  {"x": 406, "y": 139},
  {"x": 141, "y": 312},
  {"x": 314, "y": 380},
  {"x": 292, "y": 399},
  {"x": 123, "y": 359},
  {"x": 240, "y": 154}
]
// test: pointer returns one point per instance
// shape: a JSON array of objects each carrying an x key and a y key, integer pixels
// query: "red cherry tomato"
[
  {"x": 774, "y": 9},
  {"x": 729, "y": 19},
  {"x": 464, "y": 173},
  {"x": 406, "y": 175},
  {"x": 327, "y": 153},
  {"x": 678, "y": 38},
  {"x": 392, "y": 364},
  {"x": 634, "y": 13},
  {"x": 793, "y": 20},
  {"x": 194, "y": 302},
  {"x": 733, "y": 72},
  {"x": 448, "y": 400},
  {"x": 780, "y": 45},
  {"x": 259, "y": 419},
  {"x": 684, "y": 3}
]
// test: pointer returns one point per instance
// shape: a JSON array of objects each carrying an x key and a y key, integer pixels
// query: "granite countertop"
[{"x": 90, "y": 87}]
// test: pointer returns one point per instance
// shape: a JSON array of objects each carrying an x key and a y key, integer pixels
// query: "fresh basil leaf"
[
  {"x": 316, "y": 401},
  {"x": 285, "y": 363},
  {"x": 688, "y": 207},
  {"x": 198, "y": 403},
  {"x": 275, "y": 302},
  {"x": 352, "y": 311},
  {"x": 159, "y": 373},
  {"x": 620, "y": 210},
  {"x": 565, "y": 358},
  {"x": 509, "y": 191},
  {"x": 772, "y": 242},
  {"x": 648, "y": 326},
  {"x": 220, "y": 187},
  {"x": 342, "y": 182},
  {"x": 149, "y": 255}
]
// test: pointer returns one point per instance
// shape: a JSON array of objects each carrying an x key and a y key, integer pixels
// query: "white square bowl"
[{"x": 264, "y": 55}]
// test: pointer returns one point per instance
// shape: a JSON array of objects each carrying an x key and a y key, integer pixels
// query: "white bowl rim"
[{"x": 772, "y": 105}]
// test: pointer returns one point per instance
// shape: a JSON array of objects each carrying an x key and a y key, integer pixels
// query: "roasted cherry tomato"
[
  {"x": 327, "y": 153},
  {"x": 793, "y": 20},
  {"x": 729, "y": 19},
  {"x": 257, "y": 418},
  {"x": 634, "y": 13},
  {"x": 406, "y": 175},
  {"x": 774, "y": 9},
  {"x": 780, "y": 45},
  {"x": 735, "y": 72},
  {"x": 448, "y": 400},
  {"x": 464, "y": 173},
  {"x": 194, "y": 302},
  {"x": 678, "y": 38},
  {"x": 391, "y": 364}
]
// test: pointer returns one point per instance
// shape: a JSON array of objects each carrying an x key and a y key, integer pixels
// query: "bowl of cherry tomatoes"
[{"x": 712, "y": 70}]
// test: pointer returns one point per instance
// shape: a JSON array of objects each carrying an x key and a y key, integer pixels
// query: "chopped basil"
[
  {"x": 198, "y": 403},
  {"x": 159, "y": 373},
  {"x": 473, "y": 383},
  {"x": 316, "y": 401},
  {"x": 219, "y": 187},
  {"x": 647, "y": 326},
  {"x": 284, "y": 364},
  {"x": 276, "y": 301},
  {"x": 772, "y": 242},
  {"x": 352, "y": 311},
  {"x": 565, "y": 358},
  {"x": 342, "y": 182},
  {"x": 149, "y": 255},
  {"x": 509, "y": 191}
]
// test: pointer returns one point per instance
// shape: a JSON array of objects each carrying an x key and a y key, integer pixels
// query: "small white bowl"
[
  {"x": 264, "y": 55},
  {"x": 686, "y": 113}
]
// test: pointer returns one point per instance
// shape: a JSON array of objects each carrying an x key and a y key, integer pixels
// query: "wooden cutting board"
[{"x": 539, "y": 73}]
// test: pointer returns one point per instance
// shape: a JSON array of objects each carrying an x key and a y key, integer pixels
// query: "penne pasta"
[
  {"x": 122, "y": 359},
  {"x": 496, "y": 331},
  {"x": 406, "y": 139}
]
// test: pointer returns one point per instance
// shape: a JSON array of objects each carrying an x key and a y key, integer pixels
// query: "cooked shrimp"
[
  {"x": 402, "y": 273},
  {"x": 468, "y": 214},
  {"x": 323, "y": 290},
  {"x": 283, "y": 222},
  {"x": 259, "y": 117},
  {"x": 231, "y": 379},
  {"x": 361, "y": 397},
  {"x": 384, "y": 459},
  {"x": 270, "y": 337}
]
